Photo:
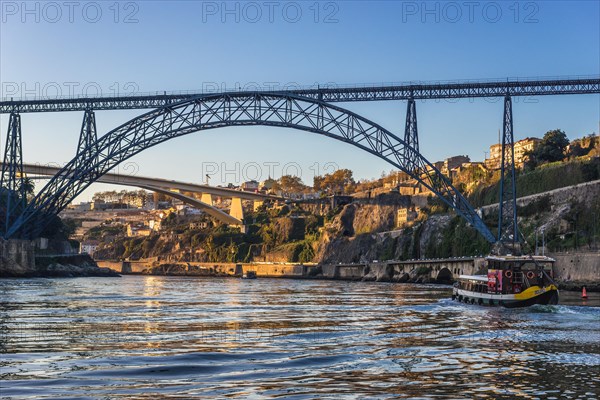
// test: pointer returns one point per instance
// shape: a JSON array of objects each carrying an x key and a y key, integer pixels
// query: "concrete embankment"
[
  {"x": 577, "y": 269},
  {"x": 424, "y": 271},
  {"x": 572, "y": 270},
  {"x": 18, "y": 259},
  {"x": 271, "y": 270}
]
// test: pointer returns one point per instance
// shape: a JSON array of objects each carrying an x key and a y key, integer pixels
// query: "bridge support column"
[
  {"x": 13, "y": 200},
  {"x": 88, "y": 136},
  {"x": 508, "y": 231},
  {"x": 411, "y": 135},
  {"x": 207, "y": 198},
  {"x": 236, "y": 210},
  {"x": 257, "y": 204}
]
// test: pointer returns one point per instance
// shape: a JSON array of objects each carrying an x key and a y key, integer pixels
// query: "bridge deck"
[
  {"x": 129, "y": 180},
  {"x": 415, "y": 90}
]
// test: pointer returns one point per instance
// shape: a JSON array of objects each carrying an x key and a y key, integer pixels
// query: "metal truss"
[
  {"x": 411, "y": 134},
  {"x": 11, "y": 182},
  {"x": 508, "y": 232},
  {"x": 332, "y": 94},
  {"x": 223, "y": 110},
  {"x": 88, "y": 135}
]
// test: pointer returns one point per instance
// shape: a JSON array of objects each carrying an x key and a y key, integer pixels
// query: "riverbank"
[
  {"x": 18, "y": 259},
  {"x": 572, "y": 271}
]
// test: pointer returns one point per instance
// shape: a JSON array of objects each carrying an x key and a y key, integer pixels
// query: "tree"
[
  {"x": 28, "y": 187},
  {"x": 289, "y": 184},
  {"x": 552, "y": 147},
  {"x": 340, "y": 181}
]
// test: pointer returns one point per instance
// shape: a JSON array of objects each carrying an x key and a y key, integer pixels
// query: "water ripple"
[{"x": 149, "y": 337}]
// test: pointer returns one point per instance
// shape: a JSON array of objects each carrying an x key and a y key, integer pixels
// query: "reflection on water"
[{"x": 166, "y": 336}]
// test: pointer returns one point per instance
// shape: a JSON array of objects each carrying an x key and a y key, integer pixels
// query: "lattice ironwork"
[
  {"x": 508, "y": 231},
  {"x": 416, "y": 90},
  {"x": 411, "y": 134},
  {"x": 87, "y": 136},
  {"x": 13, "y": 195},
  {"x": 241, "y": 109}
]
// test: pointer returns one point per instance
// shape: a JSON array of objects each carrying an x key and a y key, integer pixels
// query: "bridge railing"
[{"x": 215, "y": 87}]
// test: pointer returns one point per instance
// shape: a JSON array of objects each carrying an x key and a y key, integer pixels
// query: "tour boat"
[{"x": 511, "y": 281}]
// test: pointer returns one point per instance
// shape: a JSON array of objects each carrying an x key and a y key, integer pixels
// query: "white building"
[{"x": 88, "y": 247}]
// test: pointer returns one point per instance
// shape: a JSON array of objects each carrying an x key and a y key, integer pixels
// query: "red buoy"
[{"x": 584, "y": 293}]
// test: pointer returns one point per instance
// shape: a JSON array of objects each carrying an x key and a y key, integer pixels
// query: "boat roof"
[{"x": 481, "y": 278}]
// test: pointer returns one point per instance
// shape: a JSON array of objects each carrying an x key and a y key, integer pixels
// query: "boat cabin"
[{"x": 510, "y": 274}]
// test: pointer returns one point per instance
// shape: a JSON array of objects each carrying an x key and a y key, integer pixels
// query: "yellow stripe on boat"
[{"x": 533, "y": 292}]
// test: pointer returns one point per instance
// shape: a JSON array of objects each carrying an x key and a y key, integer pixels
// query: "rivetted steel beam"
[
  {"x": 411, "y": 134},
  {"x": 508, "y": 231},
  {"x": 416, "y": 90},
  {"x": 218, "y": 111},
  {"x": 88, "y": 135},
  {"x": 13, "y": 195}
]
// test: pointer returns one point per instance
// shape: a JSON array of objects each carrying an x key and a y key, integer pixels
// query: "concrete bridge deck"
[{"x": 137, "y": 181}]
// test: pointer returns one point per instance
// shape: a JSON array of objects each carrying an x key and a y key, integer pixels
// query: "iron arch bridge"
[{"x": 98, "y": 157}]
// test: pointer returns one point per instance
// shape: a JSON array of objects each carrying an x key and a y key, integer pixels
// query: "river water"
[{"x": 156, "y": 337}]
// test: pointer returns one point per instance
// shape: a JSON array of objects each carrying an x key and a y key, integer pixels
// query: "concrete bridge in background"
[{"x": 202, "y": 194}]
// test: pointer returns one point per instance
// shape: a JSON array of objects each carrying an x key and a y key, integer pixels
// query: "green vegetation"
[
  {"x": 578, "y": 229},
  {"x": 544, "y": 178},
  {"x": 458, "y": 239},
  {"x": 266, "y": 230},
  {"x": 338, "y": 182},
  {"x": 552, "y": 148}
]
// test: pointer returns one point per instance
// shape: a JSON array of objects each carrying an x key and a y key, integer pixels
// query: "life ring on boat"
[
  {"x": 508, "y": 274},
  {"x": 530, "y": 275}
]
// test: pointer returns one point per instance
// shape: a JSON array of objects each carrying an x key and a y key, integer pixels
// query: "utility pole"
[{"x": 543, "y": 241}]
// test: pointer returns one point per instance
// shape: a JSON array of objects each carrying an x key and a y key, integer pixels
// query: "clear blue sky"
[{"x": 181, "y": 45}]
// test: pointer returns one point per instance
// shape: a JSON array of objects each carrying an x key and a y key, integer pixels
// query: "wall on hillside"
[{"x": 577, "y": 266}]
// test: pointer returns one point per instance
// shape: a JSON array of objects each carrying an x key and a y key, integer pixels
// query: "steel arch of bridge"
[{"x": 224, "y": 110}]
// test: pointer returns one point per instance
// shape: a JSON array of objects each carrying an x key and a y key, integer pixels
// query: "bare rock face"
[
  {"x": 70, "y": 266},
  {"x": 72, "y": 271},
  {"x": 432, "y": 230},
  {"x": 374, "y": 218}
]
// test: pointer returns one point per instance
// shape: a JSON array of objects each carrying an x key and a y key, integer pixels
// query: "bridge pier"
[
  {"x": 257, "y": 204},
  {"x": 12, "y": 178},
  {"x": 236, "y": 210},
  {"x": 411, "y": 134},
  {"x": 88, "y": 135},
  {"x": 508, "y": 231},
  {"x": 207, "y": 198}
]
